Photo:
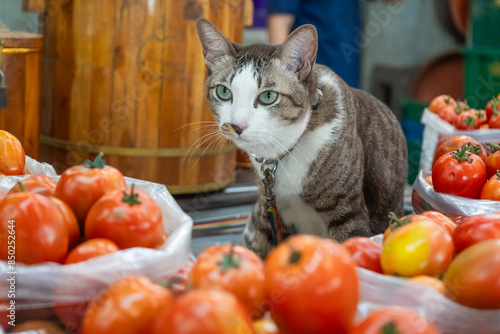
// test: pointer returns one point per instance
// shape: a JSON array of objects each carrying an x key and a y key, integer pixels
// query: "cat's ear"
[
  {"x": 215, "y": 45},
  {"x": 299, "y": 50}
]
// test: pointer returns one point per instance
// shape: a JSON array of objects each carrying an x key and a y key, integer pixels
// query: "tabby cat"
[{"x": 342, "y": 157}]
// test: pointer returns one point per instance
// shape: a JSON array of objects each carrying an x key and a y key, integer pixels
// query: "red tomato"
[
  {"x": 418, "y": 248},
  {"x": 440, "y": 102},
  {"x": 395, "y": 320},
  {"x": 493, "y": 160},
  {"x": 12, "y": 155},
  {"x": 90, "y": 249},
  {"x": 441, "y": 219},
  {"x": 69, "y": 219},
  {"x": 129, "y": 305},
  {"x": 459, "y": 173},
  {"x": 81, "y": 186},
  {"x": 491, "y": 189},
  {"x": 130, "y": 220},
  {"x": 448, "y": 114},
  {"x": 40, "y": 184},
  {"x": 204, "y": 311},
  {"x": 455, "y": 143},
  {"x": 40, "y": 232},
  {"x": 473, "y": 277},
  {"x": 299, "y": 275},
  {"x": 475, "y": 229},
  {"x": 482, "y": 119},
  {"x": 492, "y": 105},
  {"x": 365, "y": 253},
  {"x": 466, "y": 121},
  {"x": 430, "y": 281},
  {"x": 235, "y": 269}
]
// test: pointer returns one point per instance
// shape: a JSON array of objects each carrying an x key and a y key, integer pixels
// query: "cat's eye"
[
  {"x": 268, "y": 97},
  {"x": 223, "y": 93}
]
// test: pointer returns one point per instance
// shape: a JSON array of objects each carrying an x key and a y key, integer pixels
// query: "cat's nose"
[{"x": 238, "y": 128}]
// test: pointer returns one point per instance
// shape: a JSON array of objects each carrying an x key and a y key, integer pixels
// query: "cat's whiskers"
[
  {"x": 299, "y": 165},
  {"x": 201, "y": 141},
  {"x": 215, "y": 138},
  {"x": 194, "y": 123}
]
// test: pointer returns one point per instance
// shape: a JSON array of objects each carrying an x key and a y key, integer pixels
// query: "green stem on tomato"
[
  {"x": 395, "y": 221},
  {"x": 461, "y": 154},
  {"x": 493, "y": 147},
  {"x": 389, "y": 328},
  {"x": 229, "y": 261},
  {"x": 98, "y": 162},
  {"x": 21, "y": 186},
  {"x": 474, "y": 149},
  {"x": 131, "y": 199}
]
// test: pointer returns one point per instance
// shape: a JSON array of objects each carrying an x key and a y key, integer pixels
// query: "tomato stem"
[
  {"x": 389, "y": 328},
  {"x": 470, "y": 121},
  {"x": 98, "y": 162},
  {"x": 395, "y": 222},
  {"x": 294, "y": 257},
  {"x": 229, "y": 261},
  {"x": 494, "y": 105},
  {"x": 458, "y": 109},
  {"x": 131, "y": 199},
  {"x": 21, "y": 186},
  {"x": 494, "y": 147},
  {"x": 474, "y": 149},
  {"x": 461, "y": 154}
]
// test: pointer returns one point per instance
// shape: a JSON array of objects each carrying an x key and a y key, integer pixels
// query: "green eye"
[
  {"x": 223, "y": 93},
  {"x": 268, "y": 97}
]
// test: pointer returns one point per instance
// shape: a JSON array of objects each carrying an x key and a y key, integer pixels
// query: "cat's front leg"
[{"x": 258, "y": 234}]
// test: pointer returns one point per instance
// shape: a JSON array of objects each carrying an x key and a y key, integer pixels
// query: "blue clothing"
[{"x": 338, "y": 23}]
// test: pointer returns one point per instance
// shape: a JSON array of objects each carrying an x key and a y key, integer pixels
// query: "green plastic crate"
[
  {"x": 484, "y": 23},
  {"x": 482, "y": 75},
  {"x": 413, "y": 129}
]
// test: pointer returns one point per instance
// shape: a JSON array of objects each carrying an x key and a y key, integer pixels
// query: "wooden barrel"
[
  {"x": 22, "y": 65},
  {"x": 127, "y": 78}
]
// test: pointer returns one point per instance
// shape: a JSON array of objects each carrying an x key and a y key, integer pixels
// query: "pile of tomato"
[
  {"x": 464, "y": 167},
  {"x": 463, "y": 117},
  {"x": 87, "y": 213}
]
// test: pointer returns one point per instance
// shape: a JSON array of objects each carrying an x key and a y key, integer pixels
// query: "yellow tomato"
[{"x": 418, "y": 248}]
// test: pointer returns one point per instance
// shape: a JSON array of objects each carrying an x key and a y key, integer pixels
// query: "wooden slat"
[{"x": 35, "y": 6}]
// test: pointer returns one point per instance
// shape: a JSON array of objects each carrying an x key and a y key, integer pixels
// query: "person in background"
[{"x": 337, "y": 22}]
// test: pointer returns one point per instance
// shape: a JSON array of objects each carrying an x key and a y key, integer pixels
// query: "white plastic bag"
[
  {"x": 425, "y": 198},
  {"x": 437, "y": 130},
  {"x": 39, "y": 284},
  {"x": 381, "y": 291}
]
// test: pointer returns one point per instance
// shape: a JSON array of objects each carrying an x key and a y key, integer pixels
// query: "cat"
[{"x": 342, "y": 155}]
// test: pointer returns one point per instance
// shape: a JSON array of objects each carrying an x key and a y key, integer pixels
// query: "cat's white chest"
[{"x": 289, "y": 180}]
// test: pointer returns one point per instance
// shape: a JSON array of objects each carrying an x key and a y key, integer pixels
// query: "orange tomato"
[
  {"x": 395, "y": 222},
  {"x": 12, "y": 155},
  {"x": 81, "y": 186},
  {"x": 299, "y": 275},
  {"x": 204, "y": 311},
  {"x": 130, "y": 219},
  {"x": 395, "y": 320},
  {"x": 129, "y": 305},
  {"x": 37, "y": 226},
  {"x": 493, "y": 160},
  {"x": 419, "y": 248},
  {"x": 235, "y": 269},
  {"x": 40, "y": 184},
  {"x": 69, "y": 219},
  {"x": 430, "y": 281},
  {"x": 441, "y": 219},
  {"x": 441, "y": 101},
  {"x": 365, "y": 253},
  {"x": 491, "y": 189},
  {"x": 473, "y": 277},
  {"x": 90, "y": 249}
]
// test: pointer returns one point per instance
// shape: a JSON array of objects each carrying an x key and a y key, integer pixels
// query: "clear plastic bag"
[
  {"x": 379, "y": 291},
  {"x": 437, "y": 130},
  {"x": 425, "y": 198},
  {"x": 42, "y": 285}
]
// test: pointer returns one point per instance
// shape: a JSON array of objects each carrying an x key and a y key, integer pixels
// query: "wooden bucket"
[
  {"x": 21, "y": 62},
  {"x": 127, "y": 78}
]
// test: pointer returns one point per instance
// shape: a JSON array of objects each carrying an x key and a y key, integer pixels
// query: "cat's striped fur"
[{"x": 348, "y": 166}]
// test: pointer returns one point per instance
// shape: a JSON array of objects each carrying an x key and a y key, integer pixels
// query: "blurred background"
[{"x": 127, "y": 78}]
